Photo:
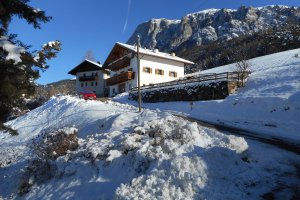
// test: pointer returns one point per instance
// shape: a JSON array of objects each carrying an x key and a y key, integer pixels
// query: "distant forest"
[{"x": 220, "y": 53}]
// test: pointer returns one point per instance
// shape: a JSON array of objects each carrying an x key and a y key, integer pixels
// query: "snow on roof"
[
  {"x": 13, "y": 51},
  {"x": 93, "y": 62},
  {"x": 155, "y": 53}
]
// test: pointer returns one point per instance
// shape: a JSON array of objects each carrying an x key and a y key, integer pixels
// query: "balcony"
[
  {"x": 123, "y": 77},
  {"x": 88, "y": 78}
]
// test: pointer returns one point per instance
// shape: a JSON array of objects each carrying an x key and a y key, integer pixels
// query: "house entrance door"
[{"x": 122, "y": 88}]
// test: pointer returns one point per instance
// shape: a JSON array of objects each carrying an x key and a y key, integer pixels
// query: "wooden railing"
[
  {"x": 229, "y": 76},
  {"x": 124, "y": 76}
]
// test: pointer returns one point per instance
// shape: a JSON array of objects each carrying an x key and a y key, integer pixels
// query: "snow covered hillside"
[
  {"x": 269, "y": 104},
  {"x": 124, "y": 154}
]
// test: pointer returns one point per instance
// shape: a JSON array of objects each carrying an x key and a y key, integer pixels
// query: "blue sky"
[{"x": 97, "y": 24}]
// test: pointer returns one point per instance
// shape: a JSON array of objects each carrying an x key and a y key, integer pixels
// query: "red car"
[{"x": 88, "y": 95}]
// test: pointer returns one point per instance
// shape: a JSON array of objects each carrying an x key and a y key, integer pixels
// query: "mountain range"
[{"x": 211, "y": 25}]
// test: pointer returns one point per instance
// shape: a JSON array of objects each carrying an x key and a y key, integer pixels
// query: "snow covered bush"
[{"x": 50, "y": 145}]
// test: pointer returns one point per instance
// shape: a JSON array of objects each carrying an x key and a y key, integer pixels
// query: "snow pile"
[
  {"x": 171, "y": 152},
  {"x": 13, "y": 52},
  {"x": 269, "y": 104}
]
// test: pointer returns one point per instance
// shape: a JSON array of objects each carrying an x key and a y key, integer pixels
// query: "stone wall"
[{"x": 193, "y": 92}]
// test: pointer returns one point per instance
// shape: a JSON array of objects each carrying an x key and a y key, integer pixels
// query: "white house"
[
  {"x": 90, "y": 76},
  {"x": 155, "y": 67}
]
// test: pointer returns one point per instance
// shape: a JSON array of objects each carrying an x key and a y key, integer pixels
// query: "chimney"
[
  {"x": 155, "y": 50},
  {"x": 173, "y": 53}
]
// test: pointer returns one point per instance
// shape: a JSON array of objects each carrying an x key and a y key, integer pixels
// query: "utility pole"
[{"x": 139, "y": 73}]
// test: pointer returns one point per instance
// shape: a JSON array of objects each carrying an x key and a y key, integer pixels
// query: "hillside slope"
[
  {"x": 269, "y": 104},
  {"x": 124, "y": 154}
]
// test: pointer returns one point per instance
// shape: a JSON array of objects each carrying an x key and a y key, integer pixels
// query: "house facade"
[
  {"x": 155, "y": 67},
  {"x": 90, "y": 76}
]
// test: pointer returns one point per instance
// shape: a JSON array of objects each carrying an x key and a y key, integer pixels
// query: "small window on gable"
[
  {"x": 147, "y": 70},
  {"x": 172, "y": 74},
  {"x": 159, "y": 71}
]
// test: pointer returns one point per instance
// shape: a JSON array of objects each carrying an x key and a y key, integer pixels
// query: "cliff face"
[{"x": 211, "y": 25}]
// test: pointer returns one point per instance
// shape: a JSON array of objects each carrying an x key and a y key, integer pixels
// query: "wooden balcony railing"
[
  {"x": 88, "y": 78},
  {"x": 124, "y": 76}
]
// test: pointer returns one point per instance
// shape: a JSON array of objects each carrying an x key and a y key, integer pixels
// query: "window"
[
  {"x": 172, "y": 74},
  {"x": 81, "y": 84},
  {"x": 147, "y": 70},
  {"x": 92, "y": 83},
  {"x": 85, "y": 84},
  {"x": 84, "y": 75},
  {"x": 159, "y": 71},
  {"x": 130, "y": 69},
  {"x": 129, "y": 86},
  {"x": 96, "y": 83},
  {"x": 113, "y": 91}
]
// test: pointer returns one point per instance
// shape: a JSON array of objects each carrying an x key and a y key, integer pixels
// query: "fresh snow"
[
  {"x": 50, "y": 44},
  {"x": 13, "y": 51},
  {"x": 268, "y": 105},
  {"x": 124, "y": 154}
]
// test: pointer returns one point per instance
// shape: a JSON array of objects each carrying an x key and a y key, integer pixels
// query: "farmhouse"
[
  {"x": 90, "y": 76},
  {"x": 155, "y": 67}
]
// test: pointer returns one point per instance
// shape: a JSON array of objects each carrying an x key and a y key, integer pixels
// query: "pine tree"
[{"x": 19, "y": 67}]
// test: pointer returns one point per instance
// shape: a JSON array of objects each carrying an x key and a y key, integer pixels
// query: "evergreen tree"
[{"x": 19, "y": 67}]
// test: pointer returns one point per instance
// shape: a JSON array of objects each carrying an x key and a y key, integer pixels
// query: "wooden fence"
[{"x": 229, "y": 76}]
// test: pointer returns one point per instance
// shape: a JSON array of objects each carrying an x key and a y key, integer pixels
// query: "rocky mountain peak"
[{"x": 210, "y": 25}]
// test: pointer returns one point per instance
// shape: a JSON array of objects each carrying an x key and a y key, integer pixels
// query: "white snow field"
[
  {"x": 124, "y": 154},
  {"x": 268, "y": 105}
]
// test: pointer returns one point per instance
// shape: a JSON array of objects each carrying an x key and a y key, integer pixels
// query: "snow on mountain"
[
  {"x": 124, "y": 154},
  {"x": 269, "y": 104},
  {"x": 210, "y": 25}
]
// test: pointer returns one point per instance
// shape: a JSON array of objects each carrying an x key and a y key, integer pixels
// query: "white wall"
[
  {"x": 99, "y": 89},
  {"x": 146, "y": 78},
  {"x": 163, "y": 64}
]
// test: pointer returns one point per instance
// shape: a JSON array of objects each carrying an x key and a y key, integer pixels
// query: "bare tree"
[
  {"x": 89, "y": 55},
  {"x": 242, "y": 63}
]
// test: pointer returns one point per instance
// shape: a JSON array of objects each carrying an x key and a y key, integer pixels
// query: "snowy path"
[{"x": 278, "y": 142}]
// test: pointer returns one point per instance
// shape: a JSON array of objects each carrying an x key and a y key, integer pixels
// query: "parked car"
[{"x": 88, "y": 95}]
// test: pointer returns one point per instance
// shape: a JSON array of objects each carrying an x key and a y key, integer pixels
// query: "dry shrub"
[{"x": 54, "y": 144}]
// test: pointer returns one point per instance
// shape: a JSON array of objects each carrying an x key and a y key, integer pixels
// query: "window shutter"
[
  {"x": 150, "y": 70},
  {"x": 162, "y": 72},
  {"x": 175, "y": 74}
]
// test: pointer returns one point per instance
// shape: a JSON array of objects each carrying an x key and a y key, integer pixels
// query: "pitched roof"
[
  {"x": 86, "y": 65},
  {"x": 155, "y": 53}
]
